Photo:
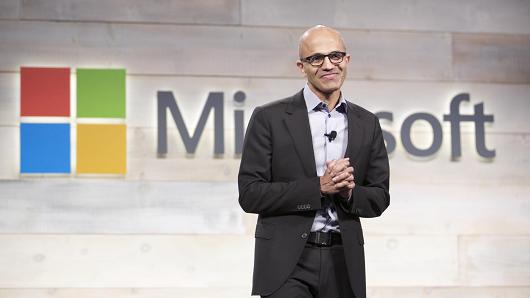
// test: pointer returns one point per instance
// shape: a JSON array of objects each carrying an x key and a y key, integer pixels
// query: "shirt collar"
[{"x": 312, "y": 101}]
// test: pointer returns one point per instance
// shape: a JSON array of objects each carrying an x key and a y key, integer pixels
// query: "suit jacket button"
[{"x": 304, "y": 235}]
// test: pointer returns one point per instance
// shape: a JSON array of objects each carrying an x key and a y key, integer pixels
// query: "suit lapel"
[
  {"x": 297, "y": 123},
  {"x": 355, "y": 133}
]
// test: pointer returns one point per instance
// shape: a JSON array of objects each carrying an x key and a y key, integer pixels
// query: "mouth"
[{"x": 329, "y": 76}]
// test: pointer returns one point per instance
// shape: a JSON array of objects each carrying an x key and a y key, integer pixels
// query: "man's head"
[{"x": 323, "y": 60}]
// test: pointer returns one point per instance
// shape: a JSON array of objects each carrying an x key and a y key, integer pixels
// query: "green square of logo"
[{"x": 101, "y": 93}]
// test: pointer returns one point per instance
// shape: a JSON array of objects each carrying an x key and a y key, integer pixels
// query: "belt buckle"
[{"x": 323, "y": 239}]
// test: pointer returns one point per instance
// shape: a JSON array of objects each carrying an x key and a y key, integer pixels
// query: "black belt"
[{"x": 324, "y": 239}]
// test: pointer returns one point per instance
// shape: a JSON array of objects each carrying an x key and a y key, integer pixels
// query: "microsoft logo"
[{"x": 48, "y": 128}]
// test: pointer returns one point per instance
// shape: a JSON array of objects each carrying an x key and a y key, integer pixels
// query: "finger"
[
  {"x": 337, "y": 178},
  {"x": 348, "y": 170},
  {"x": 347, "y": 174},
  {"x": 342, "y": 184},
  {"x": 330, "y": 164},
  {"x": 348, "y": 186},
  {"x": 351, "y": 185},
  {"x": 350, "y": 181},
  {"x": 344, "y": 188},
  {"x": 329, "y": 167},
  {"x": 338, "y": 168},
  {"x": 340, "y": 177},
  {"x": 343, "y": 161},
  {"x": 342, "y": 164}
]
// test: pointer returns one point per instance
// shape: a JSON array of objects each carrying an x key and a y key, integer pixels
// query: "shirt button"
[
  {"x": 329, "y": 115},
  {"x": 304, "y": 235}
]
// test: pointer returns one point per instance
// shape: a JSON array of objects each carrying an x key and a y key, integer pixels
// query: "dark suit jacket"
[{"x": 278, "y": 180}]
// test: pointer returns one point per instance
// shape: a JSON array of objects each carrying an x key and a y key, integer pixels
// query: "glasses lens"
[
  {"x": 336, "y": 57},
  {"x": 316, "y": 60}
]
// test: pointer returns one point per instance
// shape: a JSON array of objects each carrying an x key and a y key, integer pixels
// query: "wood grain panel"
[
  {"x": 478, "y": 292},
  {"x": 9, "y": 99},
  {"x": 151, "y": 49},
  {"x": 509, "y": 167},
  {"x": 9, "y": 9},
  {"x": 124, "y": 261},
  {"x": 219, "y": 51},
  {"x": 399, "y": 55},
  {"x": 446, "y": 292},
  {"x": 495, "y": 260},
  {"x": 492, "y": 58},
  {"x": 374, "y": 292},
  {"x": 131, "y": 292},
  {"x": 461, "y": 16},
  {"x": 9, "y": 152},
  {"x": 163, "y": 261},
  {"x": 165, "y": 11},
  {"x": 107, "y": 206},
  {"x": 192, "y": 169},
  {"x": 454, "y": 209},
  {"x": 395, "y": 292},
  {"x": 403, "y": 260}
]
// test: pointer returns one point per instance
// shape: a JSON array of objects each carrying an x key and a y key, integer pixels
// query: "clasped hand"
[{"x": 338, "y": 178}]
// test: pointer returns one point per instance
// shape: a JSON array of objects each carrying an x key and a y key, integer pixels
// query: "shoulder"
[
  {"x": 364, "y": 119},
  {"x": 279, "y": 106},
  {"x": 361, "y": 112}
]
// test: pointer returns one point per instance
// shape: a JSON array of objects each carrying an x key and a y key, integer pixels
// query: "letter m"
[{"x": 166, "y": 101}]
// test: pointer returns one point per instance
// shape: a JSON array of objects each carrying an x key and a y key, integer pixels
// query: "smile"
[{"x": 329, "y": 76}]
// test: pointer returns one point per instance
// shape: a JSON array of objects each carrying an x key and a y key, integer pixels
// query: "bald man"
[{"x": 312, "y": 165}]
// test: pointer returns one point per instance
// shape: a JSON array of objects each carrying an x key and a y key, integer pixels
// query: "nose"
[{"x": 327, "y": 64}]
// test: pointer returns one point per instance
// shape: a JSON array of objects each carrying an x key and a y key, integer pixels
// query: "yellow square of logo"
[{"x": 101, "y": 149}]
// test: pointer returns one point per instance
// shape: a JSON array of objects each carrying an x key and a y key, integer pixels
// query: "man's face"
[{"x": 327, "y": 78}]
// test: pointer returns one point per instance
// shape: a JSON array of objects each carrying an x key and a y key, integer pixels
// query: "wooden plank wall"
[{"x": 172, "y": 227}]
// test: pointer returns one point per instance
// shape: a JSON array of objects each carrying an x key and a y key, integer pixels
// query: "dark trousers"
[{"x": 320, "y": 273}]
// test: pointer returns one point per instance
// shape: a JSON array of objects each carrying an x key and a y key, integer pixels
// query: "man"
[{"x": 312, "y": 164}]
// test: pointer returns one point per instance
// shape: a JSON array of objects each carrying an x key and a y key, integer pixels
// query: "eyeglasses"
[{"x": 317, "y": 60}]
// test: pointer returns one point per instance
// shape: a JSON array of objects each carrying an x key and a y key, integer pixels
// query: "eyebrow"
[{"x": 322, "y": 54}]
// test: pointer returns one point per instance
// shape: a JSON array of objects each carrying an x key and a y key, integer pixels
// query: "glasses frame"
[{"x": 307, "y": 59}]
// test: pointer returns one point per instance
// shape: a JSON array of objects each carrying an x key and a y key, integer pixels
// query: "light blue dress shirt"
[{"x": 322, "y": 121}]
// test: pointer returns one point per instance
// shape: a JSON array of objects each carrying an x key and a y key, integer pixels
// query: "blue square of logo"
[{"x": 44, "y": 148}]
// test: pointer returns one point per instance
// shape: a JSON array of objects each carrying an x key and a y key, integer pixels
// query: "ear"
[
  {"x": 300, "y": 66},
  {"x": 347, "y": 58}
]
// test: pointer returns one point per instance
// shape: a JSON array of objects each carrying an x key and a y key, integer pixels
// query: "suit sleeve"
[
  {"x": 257, "y": 192},
  {"x": 372, "y": 197}
]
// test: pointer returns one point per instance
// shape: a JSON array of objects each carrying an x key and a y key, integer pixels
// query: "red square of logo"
[{"x": 44, "y": 91}]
